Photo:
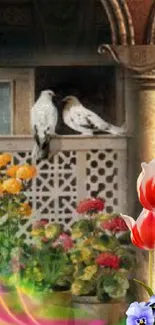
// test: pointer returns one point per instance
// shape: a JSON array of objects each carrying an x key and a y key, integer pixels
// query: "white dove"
[
  {"x": 44, "y": 117},
  {"x": 81, "y": 119}
]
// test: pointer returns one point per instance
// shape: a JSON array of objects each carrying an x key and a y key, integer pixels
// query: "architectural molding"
[
  {"x": 145, "y": 80},
  {"x": 120, "y": 21},
  {"x": 138, "y": 58}
]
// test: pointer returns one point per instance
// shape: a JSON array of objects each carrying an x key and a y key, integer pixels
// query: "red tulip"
[
  {"x": 146, "y": 185},
  {"x": 142, "y": 230}
]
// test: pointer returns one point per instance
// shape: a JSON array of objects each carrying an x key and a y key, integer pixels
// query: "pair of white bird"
[{"x": 44, "y": 118}]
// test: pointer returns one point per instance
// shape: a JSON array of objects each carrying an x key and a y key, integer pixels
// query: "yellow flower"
[
  {"x": 75, "y": 258},
  {"x": 86, "y": 254},
  {"x": 80, "y": 287},
  {"x": 12, "y": 186},
  {"x": 76, "y": 287},
  {"x": 12, "y": 171},
  {"x": 89, "y": 272},
  {"x": 26, "y": 172},
  {"x": 52, "y": 230},
  {"x": 5, "y": 158},
  {"x": 89, "y": 241},
  {"x": 37, "y": 232},
  {"x": 77, "y": 234},
  {"x": 25, "y": 209}
]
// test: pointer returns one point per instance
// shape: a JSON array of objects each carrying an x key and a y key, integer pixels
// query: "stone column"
[
  {"x": 145, "y": 144},
  {"x": 146, "y": 116}
]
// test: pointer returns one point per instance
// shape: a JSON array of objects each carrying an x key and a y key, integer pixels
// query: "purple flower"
[
  {"x": 139, "y": 314},
  {"x": 151, "y": 303}
]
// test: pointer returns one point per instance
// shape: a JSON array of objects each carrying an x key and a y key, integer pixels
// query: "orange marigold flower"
[
  {"x": 1, "y": 188},
  {"x": 25, "y": 209},
  {"x": 5, "y": 158},
  {"x": 12, "y": 186},
  {"x": 26, "y": 172},
  {"x": 12, "y": 171}
]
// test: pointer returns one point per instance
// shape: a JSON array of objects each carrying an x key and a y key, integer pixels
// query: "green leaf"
[{"x": 148, "y": 289}]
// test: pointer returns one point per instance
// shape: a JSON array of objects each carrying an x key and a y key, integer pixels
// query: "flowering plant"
[
  {"x": 14, "y": 208},
  {"x": 47, "y": 265},
  {"x": 99, "y": 257},
  {"x": 143, "y": 236}
]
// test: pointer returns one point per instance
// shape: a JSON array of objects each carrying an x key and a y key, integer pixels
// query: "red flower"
[
  {"x": 146, "y": 185},
  {"x": 142, "y": 230},
  {"x": 43, "y": 222},
  {"x": 90, "y": 206},
  {"x": 40, "y": 223},
  {"x": 114, "y": 225},
  {"x": 108, "y": 260},
  {"x": 65, "y": 241}
]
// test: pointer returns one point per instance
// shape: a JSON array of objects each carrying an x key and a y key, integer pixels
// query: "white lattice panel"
[{"x": 82, "y": 167}]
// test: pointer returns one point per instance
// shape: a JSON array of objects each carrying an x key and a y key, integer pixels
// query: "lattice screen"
[{"x": 83, "y": 167}]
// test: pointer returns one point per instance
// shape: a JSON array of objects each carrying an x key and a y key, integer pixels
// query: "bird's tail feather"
[
  {"x": 39, "y": 154},
  {"x": 43, "y": 153},
  {"x": 116, "y": 130}
]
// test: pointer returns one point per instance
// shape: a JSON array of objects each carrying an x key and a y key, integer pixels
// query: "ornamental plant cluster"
[
  {"x": 91, "y": 260},
  {"x": 99, "y": 255},
  {"x": 14, "y": 209}
]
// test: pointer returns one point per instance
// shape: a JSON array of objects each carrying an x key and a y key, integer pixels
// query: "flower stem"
[{"x": 150, "y": 269}]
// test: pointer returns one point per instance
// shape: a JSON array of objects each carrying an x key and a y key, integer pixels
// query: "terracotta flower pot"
[{"x": 111, "y": 312}]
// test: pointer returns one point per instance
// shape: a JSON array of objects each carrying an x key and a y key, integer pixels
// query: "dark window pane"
[{"x": 5, "y": 109}]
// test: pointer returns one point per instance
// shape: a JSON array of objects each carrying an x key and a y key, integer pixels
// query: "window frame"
[{"x": 14, "y": 76}]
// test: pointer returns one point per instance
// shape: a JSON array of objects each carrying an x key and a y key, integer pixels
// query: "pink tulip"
[
  {"x": 142, "y": 230},
  {"x": 146, "y": 185}
]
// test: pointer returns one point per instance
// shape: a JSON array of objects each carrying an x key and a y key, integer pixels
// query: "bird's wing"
[
  {"x": 43, "y": 120},
  {"x": 88, "y": 119}
]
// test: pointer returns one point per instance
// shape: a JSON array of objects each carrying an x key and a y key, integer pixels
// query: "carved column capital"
[{"x": 137, "y": 58}]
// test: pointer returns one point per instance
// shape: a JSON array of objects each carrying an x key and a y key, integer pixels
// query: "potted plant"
[{"x": 101, "y": 261}]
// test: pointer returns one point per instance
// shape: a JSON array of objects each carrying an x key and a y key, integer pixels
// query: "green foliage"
[
  {"x": 114, "y": 284},
  {"x": 46, "y": 268},
  {"x": 147, "y": 288},
  {"x": 106, "y": 281},
  {"x": 81, "y": 227}
]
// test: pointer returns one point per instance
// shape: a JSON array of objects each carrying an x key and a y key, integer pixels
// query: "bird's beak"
[{"x": 54, "y": 94}]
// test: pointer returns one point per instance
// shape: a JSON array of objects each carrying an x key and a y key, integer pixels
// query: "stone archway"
[
  {"x": 150, "y": 29},
  {"x": 120, "y": 22}
]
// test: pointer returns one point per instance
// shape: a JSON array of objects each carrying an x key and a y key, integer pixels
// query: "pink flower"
[
  {"x": 142, "y": 230},
  {"x": 114, "y": 225},
  {"x": 146, "y": 185},
  {"x": 65, "y": 241},
  {"x": 90, "y": 206},
  {"x": 16, "y": 265},
  {"x": 108, "y": 260}
]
